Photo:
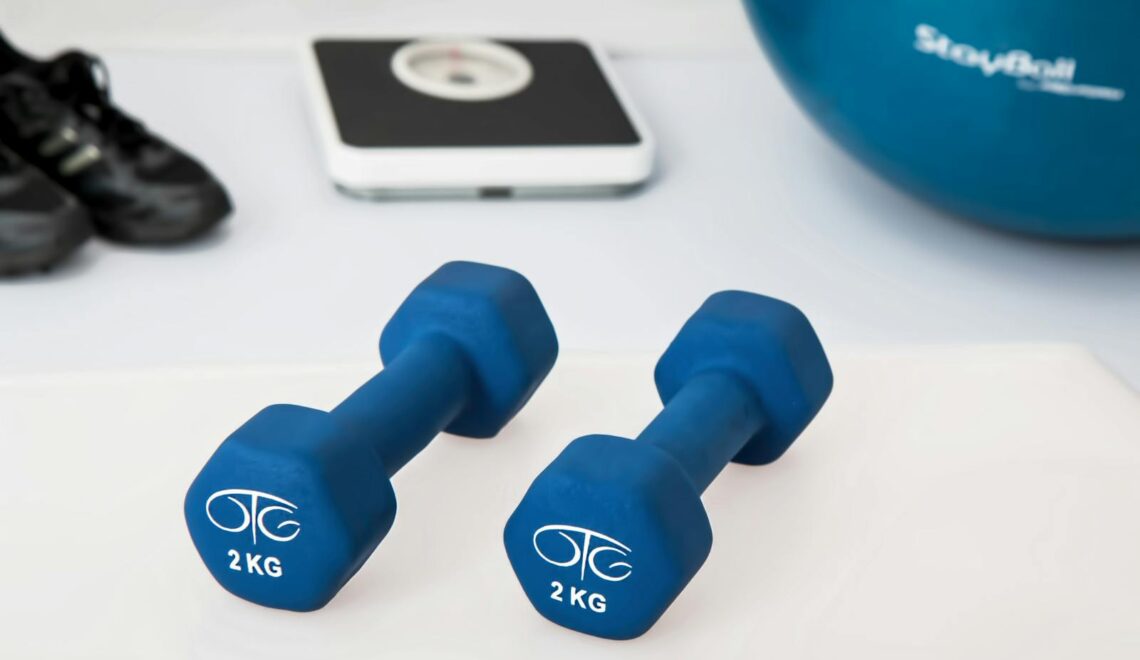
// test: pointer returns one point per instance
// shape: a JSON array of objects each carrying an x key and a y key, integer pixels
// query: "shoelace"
[
  {"x": 28, "y": 107},
  {"x": 82, "y": 81},
  {"x": 9, "y": 162}
]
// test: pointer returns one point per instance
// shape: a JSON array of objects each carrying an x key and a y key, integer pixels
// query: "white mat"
[{"x": 947, "y": 503}]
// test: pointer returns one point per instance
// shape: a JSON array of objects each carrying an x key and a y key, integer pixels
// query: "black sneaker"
[
  {"x": 40, "y": 224},
  {"x": 58, "y": 115}
]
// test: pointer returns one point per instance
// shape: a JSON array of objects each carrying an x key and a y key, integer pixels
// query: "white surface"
[
  {"x": 627, "y": 26},
  {"x": 748, "y": 195},
  {"x": 458, "y": 170},
  {"x": 1003, "y": 525}
]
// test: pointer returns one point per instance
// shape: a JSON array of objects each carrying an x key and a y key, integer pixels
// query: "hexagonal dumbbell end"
[
  {"x": 292, "y": 504},
  {"x": 609, "y": 534}
]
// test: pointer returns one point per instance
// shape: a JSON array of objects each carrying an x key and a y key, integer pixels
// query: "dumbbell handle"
[
  {"x": 706, "y": 424},
  {"x": 403, "y": 407}
]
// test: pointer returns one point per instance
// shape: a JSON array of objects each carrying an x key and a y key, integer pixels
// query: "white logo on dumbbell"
[
  {"x": 253, "y": 515},
  {"x": 579, "y": 540}
]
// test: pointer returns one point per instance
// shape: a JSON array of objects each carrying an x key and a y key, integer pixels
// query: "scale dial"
[{"x": 468, "y": 70}]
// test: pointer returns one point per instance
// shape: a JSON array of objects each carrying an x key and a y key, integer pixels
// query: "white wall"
[{"x": 623, "y": 26}]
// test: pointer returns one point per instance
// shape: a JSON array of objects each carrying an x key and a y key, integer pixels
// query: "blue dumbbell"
[
  {"x": 610, "y": 532},
  {"x": 292, "y": 504}
]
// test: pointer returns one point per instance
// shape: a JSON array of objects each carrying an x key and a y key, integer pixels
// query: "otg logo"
[
  {"x": 578, "y": 541},
  {"x": 254, "y": 506}
]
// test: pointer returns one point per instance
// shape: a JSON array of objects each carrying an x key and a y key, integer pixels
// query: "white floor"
[
  {"x": 748, "y": 195},
  {"x": 623, "y": 26}
]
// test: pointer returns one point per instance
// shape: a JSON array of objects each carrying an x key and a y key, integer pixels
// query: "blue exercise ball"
[{"x": 1022, "y": 114}]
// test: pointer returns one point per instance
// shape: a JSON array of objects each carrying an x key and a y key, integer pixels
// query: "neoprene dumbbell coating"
[
  {"x": 292, "y": 504},
  {"x": 610, "y": 532}
]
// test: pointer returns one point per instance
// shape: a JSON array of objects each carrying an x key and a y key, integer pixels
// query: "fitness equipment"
[
  {"x": 473, "y": 117},
  {"x": 612, "y": 530},
  {"x": 292, "y": 503},
  {"x": 1022, "y": 114}
]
